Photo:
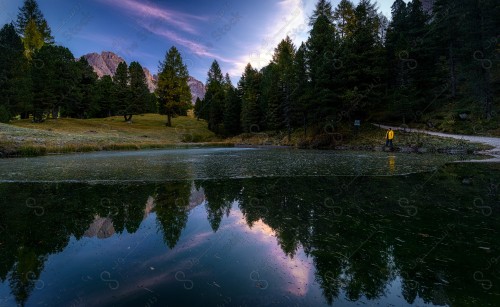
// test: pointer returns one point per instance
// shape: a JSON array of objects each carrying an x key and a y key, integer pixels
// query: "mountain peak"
[{"x": 106, "y": 63}]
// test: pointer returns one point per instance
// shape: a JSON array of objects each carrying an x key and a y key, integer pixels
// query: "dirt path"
[{"x": 492, "y": 141}]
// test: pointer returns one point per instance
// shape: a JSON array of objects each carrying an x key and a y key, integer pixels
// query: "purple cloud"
[{"x": 148, "y": 11}]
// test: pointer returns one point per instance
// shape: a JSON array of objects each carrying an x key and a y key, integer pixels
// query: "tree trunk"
[
  {"x": 55, "y": 113},
  {"x": 169, "y": 120},
  {"x": 128, "y": 117}
]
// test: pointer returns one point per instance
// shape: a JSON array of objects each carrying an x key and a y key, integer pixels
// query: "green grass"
[
  {"x": 24, "y": 138},
  {"x": 65, "y": 135},
  {"x": 368, "y": 137}
]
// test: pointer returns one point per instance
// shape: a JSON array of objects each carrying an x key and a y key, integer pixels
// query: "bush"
[{"x": 4, "y": 114}]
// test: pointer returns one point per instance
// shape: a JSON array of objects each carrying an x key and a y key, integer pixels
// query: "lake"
[{"x": 249, "y": 227}]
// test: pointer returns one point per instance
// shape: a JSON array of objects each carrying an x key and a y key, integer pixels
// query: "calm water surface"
[{"x": 235, "y": 227}]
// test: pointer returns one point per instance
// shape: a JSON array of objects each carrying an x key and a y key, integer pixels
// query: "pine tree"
[
  {"x": 200, "y": 109},
  {"x": 86, "y": 78},
  {"x": 122, "y": 95},
  {"x": 174, "y": 95},
  {"x": 446, "y": 38},
  {"x": 284, "y": 56},
  {"x": 215, "y": 97},
  {"x": 301, "y": 92},
  {"x": 271, "y": 98},
  {"x": 364, "y": 64},
  {"x": 104, "y": 104},
  {"x": 480, "y": 33},
  {"x": 33, "y": 27},
  {"x": 139, "y": 91},
  {"x": 249, "y": 88},
  {"x": 322, "y": 59},
  {"x": 15, "y": 82},
  {"x": 345, "y": 19},
  {"x": 323, "y": 9},
  {"x": 54, "y": 82},
  {"x": 231, "y": 108}
]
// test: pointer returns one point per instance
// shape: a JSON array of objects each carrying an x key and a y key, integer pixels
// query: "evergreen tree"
[
  {"x": 398, "y": 59},
  {"x": 122, "y": 95},
  {"x": 323, "y": 9},
  {"x": 174, "y": 95},
  {"x": 54, "y": 82},
  {"x": 15, "y": 82},
  {"x": 249, "y": 88},
  {"x": 301, "y": 91},
  {"x": 284, "y": 56},
  {"x": 82, "y": 94},
  {"x": 322, "y": 61},
  {"x": 104, "y": 104},
  {"x": 200, "y": 109},
  {"x": 480, "y": 36},
  {"x": 345, "y": 19},
  {"x": 446, "y": 40},
  {"x": 232, "y": 112},
  {"x": 271, "y": 98},
  {"x": 33, "y": 27},
  {"x": 139, "y": 92},
  {"x": 215, "y": 97},
  {"x": 364, "y": 65}
]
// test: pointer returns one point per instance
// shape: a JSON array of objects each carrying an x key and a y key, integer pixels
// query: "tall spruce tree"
[
  {"x": 54, "y": 82},
  {"x": 104, "y": 104},
  {"x": 301, "y": 91},
  {"x": 363, "y": 60},
  {"x": 284, "y": 56},
  {"x": 174, "y": 95},
  {"x": 249, "y": 88},
  {"x": 122, "y": 95},
  {"x": 33, "y": 27},
  {"x": 15, "y": 81},
  {"x": 215, "y": 98},
  {"x": 139, "y": 91},
  {"x": 322, "y": 57},
  {"x": 344, "y": 18},
  {"x": 232, "y": 112},
  {"x": 83, "y": 93},
  {"x": 271, "y": 98}
]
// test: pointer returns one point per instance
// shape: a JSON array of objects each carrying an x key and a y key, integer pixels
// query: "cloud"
[
  {"x": 197, "y": 48},
  {"x": 180, "y": 20},
  {"x": 290, "y": 20}
]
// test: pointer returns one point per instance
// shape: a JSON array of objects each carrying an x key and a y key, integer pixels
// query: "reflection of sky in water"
[
  {"x": 242, "y": 263},
  {"x": 209, "y": 163},
  {"x": 364, "y": 242}
]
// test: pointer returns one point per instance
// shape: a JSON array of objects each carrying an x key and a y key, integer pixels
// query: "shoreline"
[{"x": 70, "y": 136}]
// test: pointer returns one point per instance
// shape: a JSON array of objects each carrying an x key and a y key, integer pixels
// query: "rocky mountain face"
[
  {"x": 197, "y": 89},
  {"x": 150, "y": 79},
  {"x": 105, "y": 64}
]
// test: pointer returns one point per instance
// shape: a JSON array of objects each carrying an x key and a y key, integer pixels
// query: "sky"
[{"x": 233, "y": 32}]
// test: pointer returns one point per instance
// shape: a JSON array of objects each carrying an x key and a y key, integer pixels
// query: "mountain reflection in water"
[{"x": 430, "y": 238}]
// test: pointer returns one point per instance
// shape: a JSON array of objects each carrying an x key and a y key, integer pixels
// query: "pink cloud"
[{"x": 146, "y": 10}]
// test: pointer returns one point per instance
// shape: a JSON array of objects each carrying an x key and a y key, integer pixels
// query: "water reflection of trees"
[
  {"x": 172, "y": 203},
  {"x": 37, "y": 220},
  {"x": 437, "y": 232}
]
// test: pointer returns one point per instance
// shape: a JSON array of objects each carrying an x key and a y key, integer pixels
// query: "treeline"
[
  {"x": 358, "y": 65},
  {"x": 42, "y": 80}
]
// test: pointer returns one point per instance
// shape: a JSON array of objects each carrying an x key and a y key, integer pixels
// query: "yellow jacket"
[{"x": 390, "y": 135}]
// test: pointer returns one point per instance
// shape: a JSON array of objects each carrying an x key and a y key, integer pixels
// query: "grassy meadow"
[{"x": 66, "y": 135}]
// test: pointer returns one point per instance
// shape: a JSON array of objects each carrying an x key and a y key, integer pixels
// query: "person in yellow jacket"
[{"x": 389, "y": 136}]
